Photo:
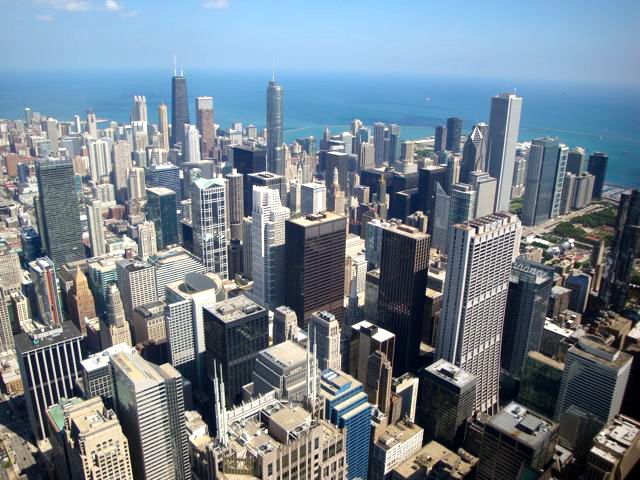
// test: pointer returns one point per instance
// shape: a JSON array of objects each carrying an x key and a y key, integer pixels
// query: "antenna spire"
[
  {"x": 273, "y": 71},
  {"x": 175, "y": 68}
]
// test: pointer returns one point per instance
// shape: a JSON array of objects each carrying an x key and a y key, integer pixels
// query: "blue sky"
[{"x": 583, "y": 40}]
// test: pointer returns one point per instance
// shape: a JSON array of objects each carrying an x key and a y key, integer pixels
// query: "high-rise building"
[
  {"x": 428, "y": 180},
  {"x": 393, "y": 133},
  {"x": 474, "y": 152},
  {"x": 471, "y": 322},
  {"x": 540, "y": 379},
  {"x": 96, "y": 230},
  {"x": 235, "y": 203},
  {"x": 313, "y": 198},
  {"x": 147, "y": 240},
  {"x": 49, "y": 362},
  {"x": 122, "y": 163},
  {"x": 485, "y": 188},
  {"x": 99, "y": 159},
  {"x": 517, "y": 441},
  {"x": 209, "y": 222},
  {"x": 80, "y": 301},
  {"x": 248, "y": 160},
  {"x": 403, "y": 281},
  {"x": 440, "y": 142},
  {"x": 285, "y": 324},
  {"x": 584, "y": 190},
  {"x": 315, "y": 256},
  {"x": 614, "y": 290},
  {"x": 163, "y": 126},
  {"x": 172, "y": 265},
  {"x": 181, "y": 331},
  {"x": 367, "y": 338},
  {"x": 454, "y": 132},
  {"x": 614, "y": 453},
  {"x": 91, "y": 125},
  {"x": 161, "y": 210},
  {"x": 137, "y": 285},
  {"x": 148, "y": 322},
  {"x": 324, "y": 334},
  {"x": 115, "y": 329},
  {"x": 263, "y": 179},
  {"x": 268, "y": 247},
  {"x": 87, "y": 441},
  {"x": 529, "y": 290},
  {"x": 275, "y": 161},
  {"x": 191, "y": 145},
  {"x": 236, "y": 330},
  {"x": 504, "y": 124},
  {"x": 47, "y": 290},
  {"x": 378, "y": 142},
  {"x": 139, "y": 113},
  {"x": 576, "y": 160},
  {"x": 150, "y": 402},
  {"x": 283, "y": 368},
  {"x": 346, "y": 406},
  {"x": 58, "y": 212},
  {"x": 136, "y": 185},
  {"x": 598, "y": 168},
  {"x": 392, "y": 447},
  {"x": 179, "y": 108},
  {"x": 205, "y": 125},
  {"x": 594, "y": 379},
  {"x": 163, "y": 175}
]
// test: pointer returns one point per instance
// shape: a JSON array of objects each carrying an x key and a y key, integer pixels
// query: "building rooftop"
[
  {"x": 397, "y": 433},
  {"x": 435, "y": 456},
  {"x": 234, "y": 309},
  {"x": 56, "y": 412},
  {"x": 46, "y": 336},
  {"x": 451, "y": 373},
  {"x": 133, "y": 265},
  {"x": 101, "y": 359},
  {"x": 542, "y": 358},
  {"x": 161, "y": 191},
  {"x": 517, "y": 422},
  {"x": 616, "y": 438},
  {"x": 377, "y": 333},
  {"x": 595, "y": 350},
  {"x": 285, "y": 354},
  {"x": 314, "y": 219}
]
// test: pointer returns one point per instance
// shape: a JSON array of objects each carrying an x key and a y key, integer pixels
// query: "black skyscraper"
[
  {"x": 454, "y": 130},
  {"x": 441, "y": 139},
  {"x": 58, "y": 212},
  {"x": 428, "y": 177},
  {"x": 179, "y": 108},
  {"x": 598, "y": 168}
]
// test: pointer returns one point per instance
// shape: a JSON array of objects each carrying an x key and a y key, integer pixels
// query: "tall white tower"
[
  {"x": 191, "y": 150},
  {"x": 209, "y": 220}
]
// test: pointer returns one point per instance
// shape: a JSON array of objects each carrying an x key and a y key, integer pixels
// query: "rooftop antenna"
[
  {"x": 175, "y": 68},
  {"x": 273, "y": 71},
  {"x": 182, "y": 65}
]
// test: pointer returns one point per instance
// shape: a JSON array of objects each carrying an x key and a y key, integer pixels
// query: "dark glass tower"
[
  {"x": 274, "y": 128},
  {"x": 441, "y": 139},
  {"x": 598, "y": 168},
  {"x": 58, "y": 212},
  {"x": 179, "y": 108},
  {"x": 454, "y": 131},
  {"x": 161, "y": 210},
  {"x": 428, "y": 179},
  {"x": 541, "y": 180}
]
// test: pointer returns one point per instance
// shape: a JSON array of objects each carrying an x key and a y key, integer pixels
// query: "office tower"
[
  {"x": 235, "y": 331},
  {"x": 440, "y": 142},
  {"x": 335, "y": 196},
  {"x": 516, "y": 443},
  {"x": 10, "y": 272},
  {"x": 519, "y": 177},
  {"x": 315, "y": 256},
  {"x": 172, "y": 265},
  {"x": 205, "y": 125},
  {"x": 139, "y": 108},
  {"x": 405, "y": 387},
  {"x": 191, "y": 144},
  {"x": 556, "y": 198},
  {"x": 594, "y": 379},
  {"x": 457, "y": 208},
  {"x": 580, "y": 285},
  {"x": 393, "y": 131},
  {"x": 403, "y": 281},
  {"x": 454, "y": 131},
  {"x": 378, "y": 384},
  {"x": 247, "y": 254},
  {"x": 504, "y": 124},
  {"x": 474, "y": 152},
  {"x": 96, "y": 230},
  {"x": 346, "y": 407},
  {"x": 57, "y": 211},
  {"x": 163, "y": 126},
  {"x": 470, "y": 329},
  {"x": 446, "y": 400},
  {"x": 115, "y": 329},
  {"x": 99, "y": 159},
  {"x": 583, "y": 191},
  {"x": 53, "y": 134},
  {"x": 598, "y": 168},
  {"x": 428, "y": 180},
  {"x": 485, "y": 188},
  {"x": 148, "y": 323},
  {"x": 161, "y": 210},
  {"x": 576, "y": 160},
  {"x": 313, "y": 198},
  {"x": 150, "y": 401},
  {"x": 249, "y": 159},
  {"x": 540, "y": 379},
  {"x": 283, "y": 368},
  {"x": 87, "y": 441},
  {"x": 47, "y": 290},
  {"x": 263, "y": 179},
  {"x": 366, "y": 339},
  {"x": 122, "y": 163},
  {"x": 137, "y": 285},
  {"x": 181, "y": 337},
  {"x": 147, "y": 240},
  {"x": 164, "y": 175},
  {"x": 378, "y": 142},
  {"x": 324, "y": 334},
  {"x": 624, "y": 246},
  {"x": 285, "y": 324},
  {"x": 57, "y": 348},
  {"x": 395, "y": 444},
  {"x": 209, "y": 222},
  {"x": 91, "y": 124},
  {"x": 275, "y": 162},
  {"x": 28, "y": 116},
  {"x": 80, "y": 301},
  {"x": 136, "y": 184},
  {"x": 335, "y": 160},
  {"x": 614, "y": 453},
  {"x": 542, "y": 168},
  {"x": 527, "y": 299},
  {"x": 568, "y": 193},
  {"x": 373, "y": 241},
  {"x": 235, "y": 203},
  {"x": 268, "y": 247},
  {"x": 31, "y": 243},
  {"x": 179, "y": 108}
]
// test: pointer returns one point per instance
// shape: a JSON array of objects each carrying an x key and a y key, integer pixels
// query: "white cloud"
[
  {"x": 216, "y": 4},
  {"x": 45, "y": 18},
  {"x": 112, "y": 6},
  {"x": 68, "y": 5}
]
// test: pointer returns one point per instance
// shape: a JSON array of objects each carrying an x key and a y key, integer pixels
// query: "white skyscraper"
[
  {"x": 99, "y": 159},
  {"x": 147, "y": 241},
  {"x": 92, "y": 127},
  {"x": 473, "y": 307},
  {"x": 96, "y": 230},
  {"x": 504, "y": 125},
  {"x": 136, "y": 184},
  {"x": 324, "y": 334},
  {"x": 191, "y": 151},
  {"x": 209, "y": 220},
  {"x": 268, "y": 237},
  {"x": 140, "y": 108},
  {"x": 313, "y": 198}
]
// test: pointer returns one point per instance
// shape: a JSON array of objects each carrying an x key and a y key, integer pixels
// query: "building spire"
[{"x": 175, "y": 67}]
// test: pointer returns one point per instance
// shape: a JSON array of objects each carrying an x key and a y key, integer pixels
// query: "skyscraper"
[
  {"x": 529, "y": 290},
  {"x": 179, "y": 321},
  {"x": 324, "y": 334},
  {"x": 205, "y": 124},
  {"x": 47, "y": 290},
  {"x": 150, "y": 401},
  {"x": 315, "y": 256},
  {"x": 454, "y": 131},
  {"x": 191, "y": 144},
  {"x": 80, "y": 301},
  {"x": 58, "y": 212},
  {"x": 378, "y": 142},
  {"x": 470, "y": 329},
  {"x": 263, "y": 179},
  {"x": 485, "y": 188},
  {"x": 147, "y": 241},
  {"x": 313, "y": 198},
  {"x": 209, "y": 222},
  {"x": 440, "y": 142},
  {"x": 163, "y": 126},
  {"x": 474, "y": 152},
  {"x": 598, "y": 168},
  {"x": 575, "y": 160},
  {"x": 136, "y": 186},
  {"x": 115, "y": 329},
  {"x": 49, "y": 362},
  {"x": 268, "y": 247},
  {"x": 235, "y": 203},
  {"x": 285, "y": 324},
  {"x": 394, "y": 144},
  {"x": 161, "y": 210},
  {"x": 96, "y": 230},
  {"x": 403, "y": 281},
  {"x": 504, "y": 125},
  {"x": 275, "y": 161},
  {"x": 137, "y": 285},
  {"x": 179, "y": 108}
]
